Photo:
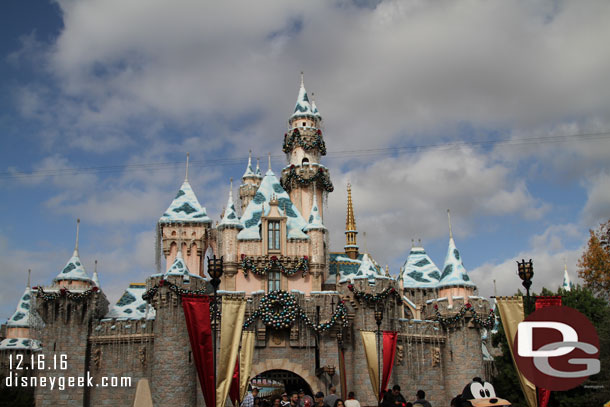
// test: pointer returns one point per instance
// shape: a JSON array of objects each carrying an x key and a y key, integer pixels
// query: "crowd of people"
[{"x": 299, "y": 398}]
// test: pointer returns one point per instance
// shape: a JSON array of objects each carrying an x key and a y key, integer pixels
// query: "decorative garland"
[
  {"x": 291, "y": 311},
  {"x": 295, "y": 138},
  {"x": 65, "y": 293},
  {"x": 487, "y": 322},
  {"x": 172, "y": 287},
  {"x": 373, "y": 299},
  {"x": 247, "y": 264},
  {"x": 292, "y": 176}
]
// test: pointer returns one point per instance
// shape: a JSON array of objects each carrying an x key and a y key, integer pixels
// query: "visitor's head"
[
  {"x": 319, "y": 397},
  {"x": 339, "y": 403},
  {"x": 301, "y": 393},
  {"x": 255, "y": 391},
  {"x": 332, "y": 389},
  {"x": 285, "y": 396},
  {"x": 421, "y": 394},
  {"x": 294, "y": 396},
  {"x": 276, "y": 401},
  {"x": 396, "y": 390},
  {"x": 351, "y": 395}
]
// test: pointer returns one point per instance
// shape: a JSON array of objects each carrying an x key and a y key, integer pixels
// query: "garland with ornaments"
[
  {"x": 247, "y": 264},
  {"x": 172, "y": 287},
  {"x": 280, "y": 309},
  {"x": 292, "y": 176},
  {"x": 374, "y": 299},
  {"x": 40, "y": 293},
  {"x": 487, "y": 322},
  {"x": 295, "y": 139}
]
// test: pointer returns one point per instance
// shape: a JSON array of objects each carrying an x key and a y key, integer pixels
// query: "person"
[
  {"x": 351, "y": 400},
  {"x": 393, "y": 398},
  {"x": 421, "y": 399},
  {"x": 249, "y": 399},
  {"x": 305, "y": 400},
  {"x": 257, "y": 402},
  {"x": 285, "y": 401},
  {"x": 276, "y": 402},
  {"x": 319, "y": 400},
  {"x": 294, "y": 399},
  {"x": 339, "y": 403},
  {"x": 331, "y": 398}
]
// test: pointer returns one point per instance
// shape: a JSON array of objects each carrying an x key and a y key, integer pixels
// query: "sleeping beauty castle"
[{"x": 313, "y": 316}]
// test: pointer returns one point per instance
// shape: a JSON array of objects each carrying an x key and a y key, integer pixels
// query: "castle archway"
[
  {"x": 292, "y": 368},
  {"x": 274, "y": 382}
]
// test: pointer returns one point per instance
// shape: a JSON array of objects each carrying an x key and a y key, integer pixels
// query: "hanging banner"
[
  {"x": 511, "y": 313},
  {"x": 544, "y": 395},
  {"x": 389, "y": 352},
  {"x": 197, "y": 316},
  {"x": 370, "y": 350},
  {"x": 231, "y": 322},
  {"x": 234, "y": 390},
  {"x": 245, "y": 362}
]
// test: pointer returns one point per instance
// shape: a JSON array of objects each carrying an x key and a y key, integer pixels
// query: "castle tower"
[
  {"x": 68, "y": 308},
  {"x": 304, "y": 145},
  {"x": 185, "y": 225},
  {"x": 174, "y": 382},
  {"x": 18, "y": 326},
  {"x": 317, "y": 233},
  {"x": 251, "y": 180},
  {"x": 351, "y": 246},
  {"x": 228, "y": 228},
  {"x": 567, "y": 284}
]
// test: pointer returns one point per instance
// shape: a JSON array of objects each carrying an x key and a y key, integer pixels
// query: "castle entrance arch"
[
  {"x": 291, "y": 371},
  {"x": 275, "y": 382}
]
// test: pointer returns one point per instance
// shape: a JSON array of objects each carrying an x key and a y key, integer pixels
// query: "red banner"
[
  {"x": 234, "y": 390},
  {"x": 197, "y": 315},
  {"x": 389, "y": 352},
  {"x": 544, "y": 395}
]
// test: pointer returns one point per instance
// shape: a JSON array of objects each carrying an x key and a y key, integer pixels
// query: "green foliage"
[{"x": 595, "y": 391}]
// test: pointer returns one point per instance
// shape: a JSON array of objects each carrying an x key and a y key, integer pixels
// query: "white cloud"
[{"x": 598, "y": 201}]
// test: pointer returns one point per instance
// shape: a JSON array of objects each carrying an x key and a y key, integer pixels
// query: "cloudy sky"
[{"x": 499, "y": 111}]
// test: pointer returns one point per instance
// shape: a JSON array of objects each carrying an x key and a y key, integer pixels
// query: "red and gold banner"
[
  {"x": 197, "y": 315},
  {"x": 389, "y": 352},
  {"x": 544, "y": 395},
  {"x": 234, "y": 390}
]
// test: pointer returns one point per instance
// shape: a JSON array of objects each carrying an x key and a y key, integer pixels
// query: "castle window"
[
  {"x": 273, "y": 282},
  {"x": 273, "y": 236},
  {"x": 305, "y": 161},
  {"x": 304, "y": 124}
]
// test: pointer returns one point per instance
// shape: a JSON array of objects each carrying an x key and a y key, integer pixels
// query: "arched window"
[
  {"x": 273, "y": 279},
  {"x": 305, "y": 161}
]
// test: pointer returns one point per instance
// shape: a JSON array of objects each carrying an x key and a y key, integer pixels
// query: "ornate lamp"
[
  {"x": 378, "y": 319},
  {"x": 215, "y": 269},
  {"x": 525, "y": 270}
]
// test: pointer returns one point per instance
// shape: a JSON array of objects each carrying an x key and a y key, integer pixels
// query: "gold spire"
[{"x": 351, "y": 246}]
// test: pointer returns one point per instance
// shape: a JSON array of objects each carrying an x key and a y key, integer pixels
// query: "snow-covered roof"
[
  {"x": 454, "y": 273},
  {"x": 419, "y": 271},
  {"x": 230, "y": 218},
  {"x": 131, "y": 305},
  {"x": 249, "y": 173},
  {"x": 258, "y": 172},
  {"x": 185, "y": 208},
  {"x": 251, "y": 217},
  {"x": 567, "y": 284},
  {"x": 179, "y": 268},
  {"x": 20, "y": 343},
  {"x": 314, "y": 109},
  {"x": 74, "y": 270},
  {"x": 486, "y": 355},
  {"x": 315, "y": 220},
  {"x": 367, "y": 268},
  {"x": 21, "y": 317},
  {"x": 303, "y": 105}
]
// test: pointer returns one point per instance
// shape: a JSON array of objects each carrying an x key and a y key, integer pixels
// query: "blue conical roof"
[
  {"x": 454, "y": 273},
  {"x": 74, "y": 270},
  {"x": 230, "y": 218},
  {"x": 185, "y": 208},
  {"x": 179, "y": 268},
  {"x": 315, "y": 220},
  {"x": 249, "y": 173},
  {"x": 21, "y": 317},
  {"x": 131, "y": 305},
  {"x": 419, "y": 271},
  {"x": 567, "y": 284},
  {"x": 303, "y": 105},
  {"x": 251, "y": 218}
]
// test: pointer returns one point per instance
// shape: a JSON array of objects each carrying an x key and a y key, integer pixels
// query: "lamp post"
[
  {"x": 215, "y": 272},
  {"x": 525, "y": 270},
  {"x": 378, "y": 320}
]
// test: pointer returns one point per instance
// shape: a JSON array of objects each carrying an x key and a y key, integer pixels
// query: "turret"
[
  {"x": 351, "y": 245},
  {"x": 185, "y": 225},
  {"x": 317, "y": 232},
  {"x": 19, "y": 325},
  {"x": 251, "y": 180},
  {"x": 304, "y": 145},
  {"x": 228, "y": 228}
]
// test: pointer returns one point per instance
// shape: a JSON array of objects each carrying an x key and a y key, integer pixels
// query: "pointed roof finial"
[
  {"x": 186, "y": 176},
  {"x": 29, "y": 276},
  {"x": 77, "y": 230},
  {"x": 269, "y": 161},
  {"x": 231, "y": 188},
  {"x": 449, "y": 219},
  {"x": 95, "y": 278},
  {"x": 302, "y": 79},
  {"x": 350, "y": 224}
]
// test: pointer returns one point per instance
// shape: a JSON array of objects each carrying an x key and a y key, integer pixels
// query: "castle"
[{"x": 279, "y": 242}]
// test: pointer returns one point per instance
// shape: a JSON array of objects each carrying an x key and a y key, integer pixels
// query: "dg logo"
[{"x": 557, "y": 348}]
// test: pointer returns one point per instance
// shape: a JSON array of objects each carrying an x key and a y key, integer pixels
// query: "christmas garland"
[
  {"x": 292, "y": 176},
  {"x": 247, "y": 264},
  {"x": 295, "y": 138},
  {"x": 290, "y": 311},
  {"x": 373, "y": 299},
  {"x": 487, "y": 322},
  {"x": 65, "y": 293},
  {"x": 172, "y": 287}
]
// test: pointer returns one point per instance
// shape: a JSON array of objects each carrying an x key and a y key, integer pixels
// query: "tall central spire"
[{"x": 351, "y": 246}]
